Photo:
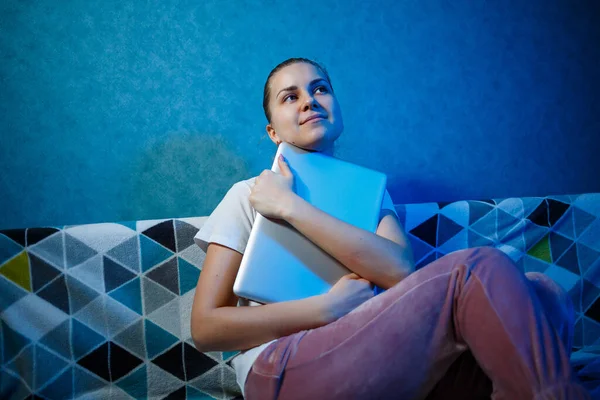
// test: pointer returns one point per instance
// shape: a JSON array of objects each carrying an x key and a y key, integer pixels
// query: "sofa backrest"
[{"x": 103, "y": 310}]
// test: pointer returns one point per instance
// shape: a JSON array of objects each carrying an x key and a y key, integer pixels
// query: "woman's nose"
[{"x": 310, "y": 103}]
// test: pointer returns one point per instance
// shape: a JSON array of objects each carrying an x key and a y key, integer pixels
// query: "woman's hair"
[{"x": 289, "y": 61}]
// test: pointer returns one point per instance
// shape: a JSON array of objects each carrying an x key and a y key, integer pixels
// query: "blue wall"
[{"x": 123, "y": 110}]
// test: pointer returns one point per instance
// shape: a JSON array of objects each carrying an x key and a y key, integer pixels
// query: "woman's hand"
[
  {"x": 272, "y": 194},
  {"x": 348, "y": 293}
]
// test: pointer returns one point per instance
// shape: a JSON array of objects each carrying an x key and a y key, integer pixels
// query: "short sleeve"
[
  {"x": 388, "y": 204},
  {"x": 231, "y": 221}
]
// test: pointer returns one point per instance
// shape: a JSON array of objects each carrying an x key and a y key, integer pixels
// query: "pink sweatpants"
[{"x": 469, "y": 325}]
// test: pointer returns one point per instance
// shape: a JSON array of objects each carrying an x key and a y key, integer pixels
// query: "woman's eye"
[
  {"x": 322, "y": 89},
  {"x": 289, "y": 96}
]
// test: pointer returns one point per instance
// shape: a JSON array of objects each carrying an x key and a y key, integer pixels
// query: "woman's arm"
[
  {"x": 384, "y": 257},
  {"x": 217, "y": 324}
]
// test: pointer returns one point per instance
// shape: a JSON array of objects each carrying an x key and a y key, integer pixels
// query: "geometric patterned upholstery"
[{"x": 102, "y": 310}]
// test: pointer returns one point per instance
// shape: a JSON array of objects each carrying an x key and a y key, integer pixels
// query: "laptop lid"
[{"x": 281, "y": 264}]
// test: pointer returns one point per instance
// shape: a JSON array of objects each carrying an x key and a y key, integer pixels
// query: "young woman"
[{"x": 468, "y": 325}]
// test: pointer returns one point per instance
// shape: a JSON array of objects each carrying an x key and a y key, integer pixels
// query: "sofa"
[{"x": 102, "y": 311}]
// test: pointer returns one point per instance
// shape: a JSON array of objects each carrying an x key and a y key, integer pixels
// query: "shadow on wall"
[{"x": 175, "y": 176}]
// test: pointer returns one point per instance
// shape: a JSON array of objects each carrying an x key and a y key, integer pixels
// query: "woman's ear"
[{"x": 273, "y": 135}]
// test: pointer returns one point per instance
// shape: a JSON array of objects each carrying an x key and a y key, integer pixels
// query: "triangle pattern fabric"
[
  {"x": 513, "y": 207},
  {"x": 91, "y": 273},
  {"x": 133, "y": 340},
  {"x": 121, "y": 362},
  {"x": 168, "y": 317},
  {"x": 586, "y": 256},
  {"x": 486, "y": 225},
  {"x": 569, "y": 260},
  {"x": 36, "y": 235},
  {"x": 17, "y": 387},
  {"x": 8, "y": 249},
  {"x": 533, "y": 264},
  {"x": 61, "y": 387},
  {"x": 556, "y": 209},
  {"x": 96, "y": 362},
  {"x": 111, "y": 233},
  {"x": 166, "y": 275},
  {"x": 17, "y": 271},
  {"x": 136, "y": 383},
  {"x": 172, "y": 361},
  {"x": 416, "y": 214},
  {"x": 476, "y": 240},
  {"x": 41, "y": 272},
  {"x": 130, "y": 295},
  {"x": 566, "y": 225},
  {"x": 16, "y": 235},
  {"x": 84, "y": 381},
  {"x": 157, "y": 339},
  {"x": 581, "y": 220},
  {"x": 459, "y": 241},
  {"x": 431, "y": 257},
  {"x": 23, "y": 362},
  {"x": 137, "y": 333},
  {"x": 56, "y": 293},
  {"x": 505, "y": 223},
  {"x": 58, "y": 339},
  {"x": 76, "y": 251},
  {"x": 127, "y": 253},
  {"x": 419, "y": 247},
  {"x": 446, "y": 229},
  {"x": 118, "y": 317},
  {"x": 591, "y": 331},
  {"x": 558, "y": 245},
  {"x": 51, "y": 249},
  {"x": 13, "y": 342},
  {"x": 194, "y": 255},
  {"x": 110, "y": 362},
  {"x": 188, "y": 276},
  {"x": 590, "y": 236},
  {"x": 211, "y": 381},
  {"x": 542, "y": 250},
  {"x": 548, "y": 212},
  {"x": 178, "y": 394},
  {"x": 533, "y": 234},
  {"x": 80, "y": 295},
  {"x": 10, "y": 293},
  {"x": 115, "y": 275},
  {"x": 83, "y": 339},
  {"x": 185, "y": 308},
  {"x": 152, "y": 253},
  {"x": 161, "y": 382},
  {"x": 94, "y": 316},
  {"x": 43, "y": 358},
  {"x": 427, "y": 231},
  {"x": 458, "y": 212},
  {"x": 184, "y": 235},
  {"x": 163, "y": 233},
  {"x": 477, "y": 210},
  {"x": 155, "y": 296},
  {"x": 195, "y": 363},
  {"x": 565, "y": 278}
]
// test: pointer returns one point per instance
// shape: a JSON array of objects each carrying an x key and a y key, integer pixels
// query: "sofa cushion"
[{"x": 102, "y": 310}]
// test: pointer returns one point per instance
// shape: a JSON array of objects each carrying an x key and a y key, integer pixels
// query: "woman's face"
[{"x": 304, "y": 110}]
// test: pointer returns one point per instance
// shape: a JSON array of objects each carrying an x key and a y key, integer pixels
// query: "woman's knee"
[{"x": 490, "y": 257}]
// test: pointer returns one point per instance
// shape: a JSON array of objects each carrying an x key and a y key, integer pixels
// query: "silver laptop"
[{"x": 281, "y": 264}]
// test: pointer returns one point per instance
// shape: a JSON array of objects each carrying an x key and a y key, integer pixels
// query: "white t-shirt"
[{"x": 229, "y": 225}]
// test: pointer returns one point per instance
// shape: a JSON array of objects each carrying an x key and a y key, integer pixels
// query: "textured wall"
[{"x": 122, "y": 110}]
